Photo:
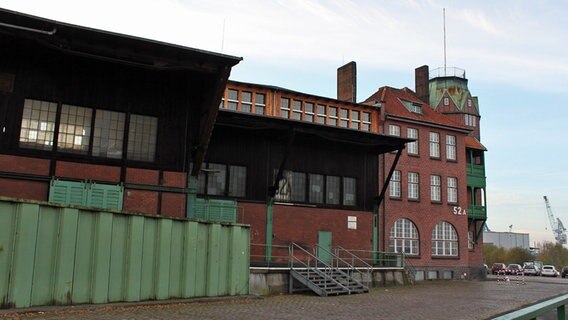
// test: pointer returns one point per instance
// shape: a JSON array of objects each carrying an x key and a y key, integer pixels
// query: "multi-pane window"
[
  {"x": 344, "y": 118},
  {"x": 108, "y": 134},
  {"x": 413, "y": 186},
  {"x": 38, "y": 124},
  {"x": 435, "y": 188},
  {"x": 434, "y": 145},
  {"x": 332, "y": 113},
  {"x": 366, "y": 124},
  {"x": 297, "y": 111},
  {"x": 333, "y": 185},
  {"x": 246, "y": 101},
  {"x": 444, "y": 240},
  {"x": 233, "y": 100},
  {"x": 404, "y": 237},
  {"x": 237, "y": 181},
  {"x": 74, "y": 129},
  {"x": 394, "y": 186},
  {"x": 212, "y": 180},
  {"x": 394, "y": 130},
  {"x": 284, "y": 107},
  {"x": 451, "y": 147},
  {"x": 309, "y": 112},
  {"x": 355, "y": 120},
  {"x": 412, "y": 147},
  {"x": 216, "y": 178},
  {"x": 470, "y": 120},
  {"x": 316, "y": 188},
  {"x": 320, "y": 114},
  {"x": 142, "y": 133},
  {"x": 349, "y": 191},
  {"x": 446, "y": 101},
  {"x": 298, "y": 186},
  {"x": 259, "y": 103},
  {"x": 452, "y": 190}
]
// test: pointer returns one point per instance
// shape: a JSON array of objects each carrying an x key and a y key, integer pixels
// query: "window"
[
  {"x": 451, "y": 147},
  {"x": 413, "y": 189},
  {"x": 470, "y": 120},
  {"x": 355, "y": 121},
  {"x": 434, "y": 145},
  {"x": 298, "y": 185},
  {"x": 316, "y": 188},
  {"x": 284, "y": 107},
  {"x": 297, "y": 114},
  {"x": 259, "y": 103},
  {"x": 349, "y": 191},
  {"x": 216, "y": 178},
  {"x": 469, "y": 102},
  {"x": 412, "y": 147},
  {"x": 74, "y": 129},
  {"x": 246, "y": 101},
  {"x": 366, "y": 125},
  {"x": 38, "y": 124},
  {"x": 452, "y": 190},
  {"x": 332, "y": 189},
  {"x": 344, "y": 118},
  {"x": 237, "y": 181},
  {"x": 435, "y": 189},
  {"x": 108, "y": 134},
  {"x": 142, "y": 133},
  {"x": 415, "y": 108},
  {"x": 332, "y": 120},
  {"x": 394, "y": 187},
  {"x": 233, "y": 99},
  {"x": 404, "y": 237},
  {"x": 470, "y": 242},
  {"x": 446, "y": 101},
  {"x": 394, "y": 130},
  {"x": 444, "y": 240},
  {"x": 309, "y": 109},
  {"x": 292, "y": 187},
  {"x": 320, "y": 114}
]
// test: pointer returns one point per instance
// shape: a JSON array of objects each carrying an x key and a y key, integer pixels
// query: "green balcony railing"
[
  {"x": 477, "y": 170},
  {"x": 477, "y": 212}
]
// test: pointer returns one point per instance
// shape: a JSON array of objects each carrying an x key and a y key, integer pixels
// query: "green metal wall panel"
[{"x": 56, "y": 255}]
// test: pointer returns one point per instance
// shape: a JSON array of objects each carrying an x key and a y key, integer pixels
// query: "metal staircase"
[{"x": 323, "y": 277}]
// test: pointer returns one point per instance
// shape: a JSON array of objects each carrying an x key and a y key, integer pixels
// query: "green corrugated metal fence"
[{"x": 59, "y": 255}]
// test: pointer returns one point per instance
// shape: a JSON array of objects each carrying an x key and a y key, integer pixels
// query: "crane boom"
[{"x": 558, "y": 228}]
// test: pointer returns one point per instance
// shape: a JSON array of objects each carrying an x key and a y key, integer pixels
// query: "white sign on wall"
[
  {"x": 459, "y": 211},
  {"x": 352, "y": 222}
]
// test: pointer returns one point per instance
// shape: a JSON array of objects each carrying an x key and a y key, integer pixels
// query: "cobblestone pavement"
[{"x": 427, "y": 300}]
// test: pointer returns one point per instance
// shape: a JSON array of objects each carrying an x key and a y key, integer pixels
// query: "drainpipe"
[{"x": 191, "y": 196}]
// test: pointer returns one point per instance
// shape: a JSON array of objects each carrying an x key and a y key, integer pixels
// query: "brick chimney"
[
  {"x": 422, "y": 83},
  {"x": 347, "y": 82}
]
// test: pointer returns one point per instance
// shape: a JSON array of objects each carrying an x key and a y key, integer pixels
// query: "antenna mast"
[{"x": 444, "y": 41}]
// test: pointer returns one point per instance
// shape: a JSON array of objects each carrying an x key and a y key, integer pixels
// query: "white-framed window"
[
  {"x": 435, "y": 188},
  {"x": 451, "y": 147},
  {"x": 404, "y": 237},
  {"x": 469, "y": 102},
  {"x": 434, "y": 145},
  {"x": 394, "y": 130},
  {"x": 344, "y": 118},
  {"x": 452, "y": 190},
  {"x": 332, "y": 119},
  {"x": 246, "y": 101},
  {"x": 355, "y": 120},
  {"x": 394, "y": 186},
  {"x": 285, "y": 108},
  {"x": 415, "y": 108},
  {"x": 446, "y": 101},
  {"x": 38, "y": 124},
  {"x": 321, "y": 114},
  {"x": 309, "y": 112},
  {"x": 413, "y": 186},
  {"x": 470, "y": 120},
  {"x": 366, "y": 123},
  {"x": 444, "y": 240},
  {"x": 297, "y": 110},
  {"x": 412, "y": 147},
  {"x": 259, "y": 103},
  {"x": 233, "y": 99}
]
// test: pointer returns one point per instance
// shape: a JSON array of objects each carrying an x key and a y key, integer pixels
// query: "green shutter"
[
  {"x": 67, "y": 192},
  {"x": 216, "y": 210},
  {"x": 105, "y": 196}
]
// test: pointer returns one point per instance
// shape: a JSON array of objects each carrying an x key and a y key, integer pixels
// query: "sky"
[{"x": 515, "y": 53}]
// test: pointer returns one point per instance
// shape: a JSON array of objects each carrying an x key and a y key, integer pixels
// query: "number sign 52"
[{"x": 459, "y": 211}]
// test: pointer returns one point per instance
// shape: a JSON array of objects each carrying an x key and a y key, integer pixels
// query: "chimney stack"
[
  {"x": 347, "y": 82},
  {"x": 422, "y": 83}
]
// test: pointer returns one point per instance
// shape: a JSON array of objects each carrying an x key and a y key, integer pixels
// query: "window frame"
[
  {"x": 412, "y": 148},
  {"x": 404, "y": 235},
  {"x": 445, "y": 240},
  {"x": 435, "y": 188},
  {"x": 285, "y": 107},
  {"x": 395, "y": 185},
  {"x": 434, "y": 139},
  {"x": 452, "y": 190},
  {"x": 394, "y": 130},
  {"x": 413, "y": 186},
  {"x": 451, "y": 148}
]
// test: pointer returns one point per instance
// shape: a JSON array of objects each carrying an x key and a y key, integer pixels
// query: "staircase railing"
[
  {"x": 313, "y": 264},
  {"x": 335, "y": 262},
  {"x": 355, "y": 260},
  {"x": 411, "y": 270}
]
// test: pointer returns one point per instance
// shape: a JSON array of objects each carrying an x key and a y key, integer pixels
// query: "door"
[{"x": 324, "y": 246}]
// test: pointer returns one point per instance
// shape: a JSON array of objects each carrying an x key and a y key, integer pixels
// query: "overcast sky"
[{"x": 515, "y": 53}]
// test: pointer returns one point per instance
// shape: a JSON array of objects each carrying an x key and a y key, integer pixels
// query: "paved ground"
[{"x": 427, "y": 300}]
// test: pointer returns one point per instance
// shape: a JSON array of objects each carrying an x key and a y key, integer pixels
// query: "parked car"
[
  {"x": 531, "y": 270},
  {"x": 514, "y": 269},
  {"x": 564, "y": 272},
  {"x": 549, "y": 271},
  {"x": 498, "y": 267}
]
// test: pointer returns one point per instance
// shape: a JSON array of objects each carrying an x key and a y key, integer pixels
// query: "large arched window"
[
  {"x": 444, "y": 240},
  {"x": 404, "y": 237}
]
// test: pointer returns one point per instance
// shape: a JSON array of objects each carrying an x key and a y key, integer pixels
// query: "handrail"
[
  {"x": 337, "y": 258},
  {"x": 327, "y": 267},
  {"x": 354, "y": 257},
  {"x": 539, "y": 309},
  {"x": 260, "y": 259}
]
